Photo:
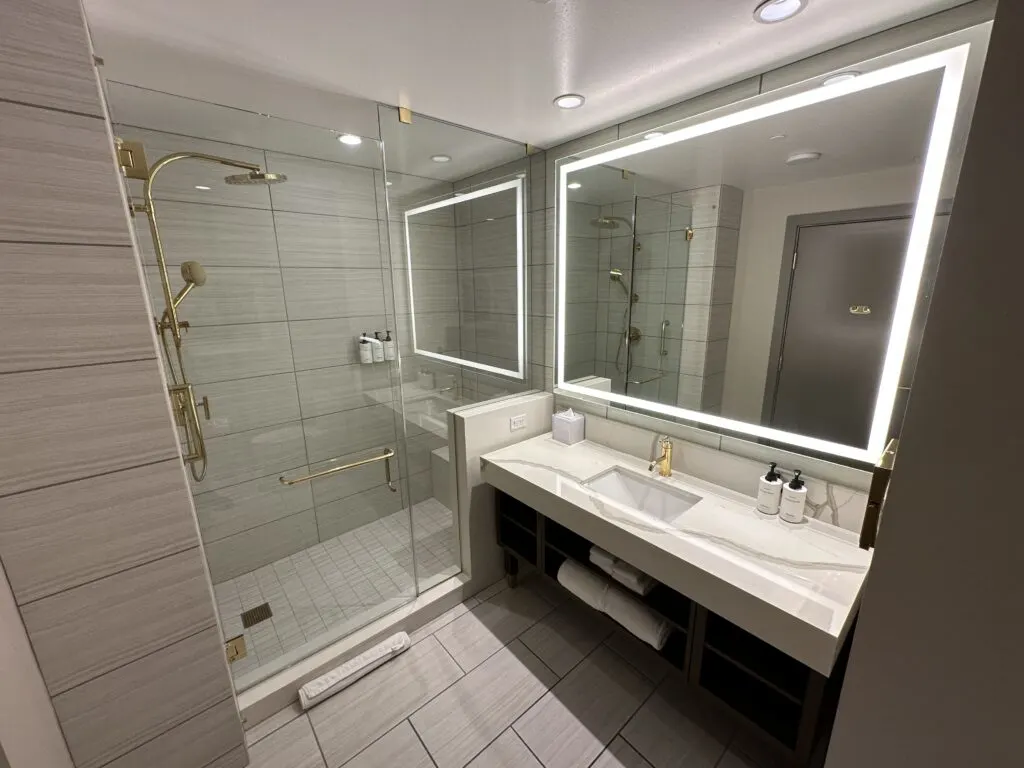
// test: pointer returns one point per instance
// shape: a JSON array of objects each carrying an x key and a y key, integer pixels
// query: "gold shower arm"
[{"x": 170, "y": 315}]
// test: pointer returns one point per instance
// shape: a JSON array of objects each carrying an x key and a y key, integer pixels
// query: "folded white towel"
[
  {"x": 632, "y": 578},
  {"x": 586, "y": 585},
  {"x": 637, "y": 617}
]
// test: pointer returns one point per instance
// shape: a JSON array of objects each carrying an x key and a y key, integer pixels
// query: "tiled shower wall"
[
  {"x": 295, "y": 272},
  {"x": 97, "y": 536}
]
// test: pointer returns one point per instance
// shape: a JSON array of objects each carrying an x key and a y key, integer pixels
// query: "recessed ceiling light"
[
  {"x": 569, "y": 101},
  {"x": 388, "y": 183},
  {"x": 840, "y": 77},
  {"x": 772, "y": 11},
  {"x": 202, "y": 187},
  {"x": 350, "y": 138},
  {"x": 573, "y": 185},
  {"x": 777, "y": 137},
  {"x": 654, "y": 134},
  {"x": 802, "y": 157},
  {"x": 441, "y": 158}
]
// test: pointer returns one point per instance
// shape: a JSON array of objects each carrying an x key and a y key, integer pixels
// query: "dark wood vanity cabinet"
[{"x": 760, "y": 686}]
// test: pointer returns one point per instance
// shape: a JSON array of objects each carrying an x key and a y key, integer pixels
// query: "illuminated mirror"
[{"x": 765, "y": 270}]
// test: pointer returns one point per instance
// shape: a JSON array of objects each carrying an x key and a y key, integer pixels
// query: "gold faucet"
[{"x": 663, "y": 462}]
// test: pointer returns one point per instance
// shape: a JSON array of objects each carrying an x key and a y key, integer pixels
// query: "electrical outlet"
[{"x": 517, "y": 422}]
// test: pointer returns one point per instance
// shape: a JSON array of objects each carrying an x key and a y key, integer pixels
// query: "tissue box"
[{"x": 568, "y": 427}]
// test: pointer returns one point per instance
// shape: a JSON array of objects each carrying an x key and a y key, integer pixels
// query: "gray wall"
[
  {"x": 97, "y": 535},
  {"x": 935, "y": 674}
]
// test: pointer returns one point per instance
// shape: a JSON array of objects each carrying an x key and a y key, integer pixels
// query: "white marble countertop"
[{"x": 794, "y": 586}]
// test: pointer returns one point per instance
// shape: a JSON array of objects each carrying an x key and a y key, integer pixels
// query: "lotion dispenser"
[
  {"x": 769, "y": 492},
  {"x": 794, "y": 498}
]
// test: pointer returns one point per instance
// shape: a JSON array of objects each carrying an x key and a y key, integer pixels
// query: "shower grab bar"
[{"x": 385, "y": 457}]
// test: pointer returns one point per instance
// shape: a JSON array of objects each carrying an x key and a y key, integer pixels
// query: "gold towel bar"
[{"x": 385, "y": 457}]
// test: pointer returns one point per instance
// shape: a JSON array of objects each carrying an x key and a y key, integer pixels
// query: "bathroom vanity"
[{"x": 762, "y": 610}]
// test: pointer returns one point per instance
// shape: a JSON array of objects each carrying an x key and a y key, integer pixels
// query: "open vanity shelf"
[{"x": 762, "y": 687}]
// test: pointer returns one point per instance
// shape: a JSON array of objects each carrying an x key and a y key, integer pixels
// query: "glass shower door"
[{"x": 270, "y": 271}]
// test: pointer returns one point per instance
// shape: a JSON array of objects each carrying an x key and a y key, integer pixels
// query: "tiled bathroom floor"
[
  {"x": 515, "y": 678},
  {"x": 333, "y": 587}
]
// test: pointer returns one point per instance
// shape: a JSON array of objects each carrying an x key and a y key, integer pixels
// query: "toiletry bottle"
[
  {"x": 769, "y": 492},
  {"x": 389, "y": 347},
  {"x": 365, "y": 353},
  {"x": 794, "y": 497},
  {"x": 378, "y": 348}
]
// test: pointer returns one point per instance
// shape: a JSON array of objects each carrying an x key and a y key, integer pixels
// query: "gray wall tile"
[
  {"x": 116, "y": 620},
  {"x": 244, "y": 456},
  {"x": 316, "y": 240},
  {"x": 231, "y": 295},
  {"x": 243, "y": 404},
  {"x": 44, "y": 59},
  {"x": 208, "y": 740},
  {"x": 56, "y": 182},
  {"x": 315, "y": 293},
  {"x": 341, "y": 388},
  {"x": 236, "y": 508},
  {"x": 342, "y": 433},
  {"x": 123, "y": 709},
  {"x": 315, "y": 186},
  {"x": 223, "y": 353},
  {"x": 256, "y": 547},
  {"x": 63, "y": 536},
  {"x": 324, "y": 343},
  {"x": 114, "y": 415},
  {"x": 337, "y": 517},
  {"x": 70, "y": 305},
  {"x": 214, "y": 235}
]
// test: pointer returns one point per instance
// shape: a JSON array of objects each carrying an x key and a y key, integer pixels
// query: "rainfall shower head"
[
  {"x": 610, "y": 222},
  {"x": 193, "y": 272},
  {"x": 255, "y": 177}
]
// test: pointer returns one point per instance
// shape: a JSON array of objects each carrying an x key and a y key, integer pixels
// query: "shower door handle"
[{"x": 205, "y": 405}]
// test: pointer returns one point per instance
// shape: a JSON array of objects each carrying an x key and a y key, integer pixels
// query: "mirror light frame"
[
  {"x": 952, "y": 62},
  {"x": 517, "y": 185}
]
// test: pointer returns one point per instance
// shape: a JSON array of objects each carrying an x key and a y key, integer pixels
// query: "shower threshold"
[{"x": 327, "y": 591}]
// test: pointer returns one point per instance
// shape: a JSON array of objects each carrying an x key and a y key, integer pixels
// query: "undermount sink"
[{"x": 643, "y": 494}]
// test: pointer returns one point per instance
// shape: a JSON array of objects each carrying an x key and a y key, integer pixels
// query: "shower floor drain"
[{"x": 254, "y": 616}]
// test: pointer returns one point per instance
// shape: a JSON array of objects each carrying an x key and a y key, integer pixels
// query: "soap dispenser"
[
  {"x": 794, "y": 498},
  {"x": 378, "y": 348},
  {"x": 769, "y": 492}
]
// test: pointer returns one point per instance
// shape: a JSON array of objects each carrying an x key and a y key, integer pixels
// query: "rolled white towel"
[
  {"x": 603, "y": 560},
  {"x": 632, "y": 578},
  {"x": 637, "y": 617},
  {"x": 586, "y": 585}
]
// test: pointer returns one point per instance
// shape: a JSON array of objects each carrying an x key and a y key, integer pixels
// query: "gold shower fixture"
[{"x": 132, "y": 157}]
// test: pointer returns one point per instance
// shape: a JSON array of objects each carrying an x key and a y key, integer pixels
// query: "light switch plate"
[{"x": 517, "y": 422}]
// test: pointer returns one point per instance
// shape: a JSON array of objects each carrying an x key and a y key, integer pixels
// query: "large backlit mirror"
[{"x": 765, "y": 269}]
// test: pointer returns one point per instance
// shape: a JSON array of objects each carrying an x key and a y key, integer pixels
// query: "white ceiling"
[{"x": 495, "y": 65}]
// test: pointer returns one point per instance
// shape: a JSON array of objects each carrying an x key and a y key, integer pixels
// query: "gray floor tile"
[
  {"x": 620, "y": 755},
  {"x": 293, "y": 746},
  {"x": 277, "y": 720},
  {"x": 639, "y": 655},
  {"x": 567, "y": 634},
  {"x": 571, "y": 725},
  {"x": 398, "y": 748},
  {"x": 473, "y": 637},
  {"x": 506, "y": 751},
  {"x": 353, "y": 719},
  {"x": 443, "y": 620},
  {"x": 736, "y": 760},
  {"x": 488, "y": 592},
  {"x": 672, "y": 730},
  {"x": 464, "y": 719}
]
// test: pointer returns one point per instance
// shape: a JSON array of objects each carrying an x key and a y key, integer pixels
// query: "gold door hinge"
[
  {"x": 235, "y": 649},
  {"x": 132, "y": 157},
  {"x": 405, "y": 115}
]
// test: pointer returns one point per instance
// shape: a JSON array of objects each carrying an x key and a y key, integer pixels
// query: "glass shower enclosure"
[{"x": 270, "y": 284}]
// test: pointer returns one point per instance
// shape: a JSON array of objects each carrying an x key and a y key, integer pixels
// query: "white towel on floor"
[
  {"x": 586, "y": 585},
  {"x": 637, "y": 617},
  {"x": 624, "y": 573}
]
